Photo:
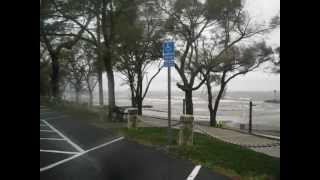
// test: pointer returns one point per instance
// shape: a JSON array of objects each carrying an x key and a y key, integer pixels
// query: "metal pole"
[
  {"x": 169, "y": 105},
  {"x": 250, "y": 117}
]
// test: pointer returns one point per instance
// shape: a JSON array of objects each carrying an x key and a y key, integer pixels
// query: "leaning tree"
[
  {"x": 53, "y": 25},
  {"x": 224, "y": 56},
  {"x": 138, "y": 48},
  {"x": 234, "y": 62}
]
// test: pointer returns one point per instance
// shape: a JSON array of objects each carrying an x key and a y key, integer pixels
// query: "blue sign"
[
  {"x": 168, "y": 63},
  {"x": 168, "y": 53},
  {"x": 168, "y": 48},
  {"x": 168, "y": 57}
]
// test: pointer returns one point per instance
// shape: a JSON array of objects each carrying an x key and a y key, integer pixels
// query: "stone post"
[
  {"x": 186, "y": 130},
  {"x": 132, "y": 118}
]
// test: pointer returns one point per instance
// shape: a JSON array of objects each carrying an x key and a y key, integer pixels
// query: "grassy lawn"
[{"x": 228, "y": 159}]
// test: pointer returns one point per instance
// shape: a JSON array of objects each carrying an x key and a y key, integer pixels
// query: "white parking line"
[
  {"x": 57, "y": 117},
  {"x": 63, "y": 136},
  {"x": 50, "y": 131},
  {"x": 44, "y": 113},
  {"x": 43, "y": 125},
  {"x": 59, "y": 162},
  {"x": 105, "y": 144},
  {"x": 80, "y": 154},
  {"x": 44, "y": 128},
  {"x": 53, "y": 139},
  {"x": 61, "y": 152},
  {"x": 45, "y": 110},
  {"x": 194, "y": 173}
]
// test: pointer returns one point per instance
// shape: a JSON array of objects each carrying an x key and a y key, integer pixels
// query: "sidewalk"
[{"x": 256, "y": 143}]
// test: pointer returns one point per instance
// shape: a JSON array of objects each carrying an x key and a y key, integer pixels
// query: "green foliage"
[
  {"x": 275, "y": 21},
  {"x": 256, "y": 54},
  {"x": 216, "y": 9},
  {"x": 181, "y": 6}
]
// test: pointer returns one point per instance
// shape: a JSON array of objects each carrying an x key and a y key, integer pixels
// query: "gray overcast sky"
[{"x": 260, "y": 10}]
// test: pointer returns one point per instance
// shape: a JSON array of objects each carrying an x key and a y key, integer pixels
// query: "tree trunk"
[
  {"x": 133, "y": 98},
  {"x": 213, "y": 120},
  {"x": 111, "y": 94},
  {"x": 90, "y": 98},
  {"x": 139, "y": 90},
  {"x": 100, "y": 84},
  {"x": 77, "y": 96},
  {"x": 107, "y": 29},
  {"x": 189, "y": 103},
  {"x": 110, "y": 77},
  {"x": 55, "y": 77},
  {"x": 99, "y": 58},
  {"x": 139, "y": 104}
]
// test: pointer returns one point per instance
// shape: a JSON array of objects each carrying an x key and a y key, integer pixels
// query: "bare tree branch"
[{"x": 148, "y": 83}]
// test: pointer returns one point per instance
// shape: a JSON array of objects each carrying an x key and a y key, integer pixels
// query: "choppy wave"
[{"x": 234, "y": 107}]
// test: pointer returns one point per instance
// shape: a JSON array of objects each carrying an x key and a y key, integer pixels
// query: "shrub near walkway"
[{"x": 228, "y": 159}]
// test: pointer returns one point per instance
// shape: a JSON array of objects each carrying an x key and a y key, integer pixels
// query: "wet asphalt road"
[{"x": 120, "y": 160}]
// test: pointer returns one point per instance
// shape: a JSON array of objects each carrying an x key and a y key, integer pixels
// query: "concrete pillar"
[
  {"x": 132, "y": 118},
  {"x": 186, "y": 130}
]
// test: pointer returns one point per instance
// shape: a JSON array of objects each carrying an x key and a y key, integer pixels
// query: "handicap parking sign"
[
  {"x": 168, "y": 48},
  {"x": 168, "y": 63},
  {"x": 168, "y": 53}
]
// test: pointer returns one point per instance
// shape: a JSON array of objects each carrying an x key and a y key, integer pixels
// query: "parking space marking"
[
  {"x": 61, "y": 152},
  {"x": 49, "y": 131},
  {"x": 53, "y": 139},
  {"x": 80, "y": 154},
  {"x": 58, "y": 163},
  {"x": 44, "y": 113},
  {"x": 45, "y": 110},
  {"x": 43, "y": 128},
  {"x": 78, "y": 148},
  {"x": 194, "y": 172},
  {"x": 105, "y": 144},
  {"x": 56, "y": 117}
]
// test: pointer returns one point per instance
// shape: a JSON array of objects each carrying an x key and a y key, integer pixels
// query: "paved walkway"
[{"x": 256, "y": 143}]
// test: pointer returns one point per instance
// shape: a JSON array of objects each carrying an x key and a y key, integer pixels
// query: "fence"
[{"x": 233, "y": 113}]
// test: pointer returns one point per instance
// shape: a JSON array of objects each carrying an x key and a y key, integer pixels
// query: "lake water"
[{"x": 234, "y": 108}]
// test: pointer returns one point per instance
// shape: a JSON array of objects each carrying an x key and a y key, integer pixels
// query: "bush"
[{"x": 219, "y": 124}]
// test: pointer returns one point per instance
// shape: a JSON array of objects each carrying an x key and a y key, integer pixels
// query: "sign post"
[{"x": 168, "y": 57}]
